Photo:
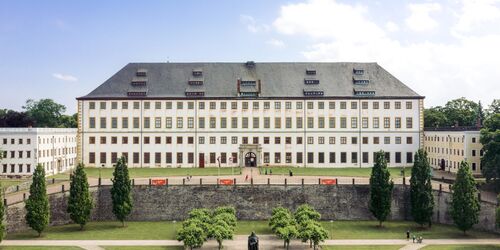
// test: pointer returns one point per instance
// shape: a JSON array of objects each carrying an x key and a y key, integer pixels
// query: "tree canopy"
[
  {"x": 80, "y": 202},
  {"x": 37, "y": 205},
  {"x": 380, "y": 189},
  {"x": 121, "y": 191},
  {"x": 461, "y": 112},
  {"x": 465, "y": 202},
  {"x": 41, "y": 113},
  {"x": 490, "y": 138},
  {"x": 421, "y": 198}
]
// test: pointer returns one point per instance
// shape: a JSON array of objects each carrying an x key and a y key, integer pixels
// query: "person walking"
[
  {"x": 408, "y": 235},
  {"x": 413, "y": 238},
  {"x": 246, "y": 178}
]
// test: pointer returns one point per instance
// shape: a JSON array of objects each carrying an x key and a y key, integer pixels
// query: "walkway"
[{"x": 240, "y": 242}]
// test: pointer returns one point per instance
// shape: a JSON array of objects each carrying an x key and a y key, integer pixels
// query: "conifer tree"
[
  {"x": 80, "y": 202},
  {"x": 37, "y": 205},
  {"x": 380, "y": 189},
  {"x": 121, "y": 191},
  {"x": 465, "y": 203},
  {"x": 2, "y": 214},
  {"x": 421, "y": 198}
]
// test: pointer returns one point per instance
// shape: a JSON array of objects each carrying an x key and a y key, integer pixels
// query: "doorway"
[
  {"x": 202, "y": 160},
  {"x": 250, "y": 159}
]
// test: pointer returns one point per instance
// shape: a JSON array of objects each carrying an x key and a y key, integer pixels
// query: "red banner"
[
  {"x": 226, "y": 181},
  {"x": 158, "y": 182},
  {"x": 328, "y": 181}
]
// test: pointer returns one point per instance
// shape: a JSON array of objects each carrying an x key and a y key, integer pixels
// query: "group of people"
[{"x": 418, "y": 239}]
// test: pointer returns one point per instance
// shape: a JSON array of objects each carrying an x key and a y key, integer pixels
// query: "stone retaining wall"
[{"x": 343, "y": 202}]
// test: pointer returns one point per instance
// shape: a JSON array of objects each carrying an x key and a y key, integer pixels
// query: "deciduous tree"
[
  {"x": 121, "y": 191},
  {"x": 380, "y": 189},
  {"x": 37, "y": 205},
  {"x": 490, "y": 138},
  {"x": 465, "y": 203},
  {"x": 421, "y": 198},
  {"x": 80, "y": 202},
  {"x": 46, "y": 112}
]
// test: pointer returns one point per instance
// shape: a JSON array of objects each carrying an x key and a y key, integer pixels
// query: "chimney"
[{"x": 238, "y": 87}]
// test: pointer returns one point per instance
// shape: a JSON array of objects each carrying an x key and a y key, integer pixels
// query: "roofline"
[
  {"x": 251, "y": 98},
  {"x": 453, "y": 129}
]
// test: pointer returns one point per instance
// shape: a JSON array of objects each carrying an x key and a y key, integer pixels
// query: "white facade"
[
  {"x": 446, "y": 148},
  {"x": 305, "y": 132},
  {"x": 25, "y": 148}
]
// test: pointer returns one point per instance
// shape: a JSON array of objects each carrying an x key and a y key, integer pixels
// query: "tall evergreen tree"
[
  {"x": 80, "y": 202},
  {"x": 121, "y": 191},
  {"x": 37, "y": 205},
  {"x": 421, "y": 198},
  {"x": 380, "y": 188},
  {"x": 465, "y": 203},
  {"x": 2, "y": 214}
]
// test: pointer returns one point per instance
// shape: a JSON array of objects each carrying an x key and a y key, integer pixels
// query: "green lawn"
[
  {"x": 7, "y": 183},
  {"x": 167, "y": 230},
  {"x": 371, "y": 247},
  {"x": 39, "y": 248},
  {"x": 155, "y": 172},
  {"x": 332, "y": 171},
  {"x": 397, "y": 230},
  {"x": 461, "y": 247},
  {"x": 143, "y": 247}
]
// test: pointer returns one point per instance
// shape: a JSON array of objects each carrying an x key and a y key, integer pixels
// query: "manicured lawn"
[
  {"x": 142, "y": 247},
  {"x": 167, "y": 230},
  {"x": 39, "y": 248},
  {"x": 7, "y": 183},
  {"x": 462, "y": 247},
  {"x": 155, "y": 172},
  {"x": 371, "y": 247},
  {"x": 333, "y": 171},
  {"x": 397, "y": 230}
]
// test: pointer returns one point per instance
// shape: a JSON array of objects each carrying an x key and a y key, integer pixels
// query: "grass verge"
[{"x": 332, "y": 171}]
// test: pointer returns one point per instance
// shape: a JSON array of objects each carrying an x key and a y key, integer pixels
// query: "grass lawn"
[
  {"x": 39, "y": 248},
  {"x": 461, "y": 247},
  {"x": 371, "y": 247},
  {"x": 7, "y": 183},
  {"x": 166, "y": 230},
  {"x": 154, "y": 172},
  {"x": 143, "y": 247},
  {"x": 333, "y": 171},
  {"x": 397, "y": 230}
]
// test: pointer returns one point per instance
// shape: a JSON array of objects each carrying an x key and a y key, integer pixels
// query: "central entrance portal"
[{"x": 250, "y": 159}]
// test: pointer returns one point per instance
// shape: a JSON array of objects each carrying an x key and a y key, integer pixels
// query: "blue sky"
[{"x": 64, "y": 49}]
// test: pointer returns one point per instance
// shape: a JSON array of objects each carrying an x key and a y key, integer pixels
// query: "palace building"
[
  {"x": 447, "y": 147},
  {"x": 250, "y": 114},
  {"x": 24, "y": 148}
]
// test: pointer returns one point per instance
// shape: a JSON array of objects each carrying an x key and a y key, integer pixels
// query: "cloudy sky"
[{"x": 64, "y": 49}]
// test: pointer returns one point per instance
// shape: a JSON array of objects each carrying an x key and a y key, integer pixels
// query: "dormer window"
[
  {"x": 311, "y": 81},
  {"x": 195, "y": 82},
  {"x": 364, "y": 92},
  {"x": 197, "y": 72},
  {"x": 313, "y": 92},
  {"x": 248, "y": 83},
  {"x": 136, "y": 82},
  {"x": 141, "y": 73},
  {"x": 361, "y": 81},
  {"x": 195, "y": 93},
  {"x": 358, "y": 71},
  {"x": 136, "y": 93},
  {"x": 310, "y": 72}
]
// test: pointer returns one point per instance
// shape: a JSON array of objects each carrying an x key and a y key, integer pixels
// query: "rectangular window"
[
  {"x": 103, "y": 122},
  {"x": 91, "y": 105},
  {"x": 310, "y": 105},
  {"x": 103, "y": 139},
  {"x": 114, "y": 105},
  {"x": 201, "y": 140},
  {"x": 288, "y": 105},
  {"x": 387, "y": 105},
  {"x": 321, "y": 105},
  {"x": 343, "y": 157},
  {"x": 409, "y": 140},
  {"x": 157, "y": 158},
  {"x": 321, "y": 122},
  {"x": 234, "y": 140},
  {"x": 157, "y": 140},
  {"x": 299, "y": 105},
  {"x": 364, "y": 122},
  {"x": 409, "y": 157},
  {"x": 310, "y": 122},
  {"x": 343, "y": 140},
  {"x": 343, "y": 122},
  {"x": 408, "y": 105},
  {"x": 409, "y": 122},
  {"x": 190, "y": 105},
  {"x": 92, "y": 158},
  {"x": 364, "y": 105},
  {"x": 179, "y": 158},
  {"x": 266, "y": 157},
  {"x": 321, "y": 140},
  {"x": 223, "y": 105},
  {"x": 168, "y": 105},
  {"x": 168, "y": 122},
  {"x": 365, "y": 157},
  {"x": 190, "y": 122},
  {"x": 179, "y": 139},
  {"x": 212, "y": 122},
  {"x": 397, "y": 122},
  {"x": 256, "y": 122},
  {"x": 234, "y": 122},
  {"x": 376, "y": 122},
  {"x": 124, "y": 122},
  {"x": 398, "y": 140},
  {"x": 234, "y": 105},
  {"x": 310, "y": 140},
  {"x": 387, "y": 140},
  {"x": 212, "y": 157},
  {"x": 354, "y": 122},
  {"x": 124, "y": 105},
  {"x": 299, "y": 158},
  {"x": 146, "y": 139},
  {"x": 244, "y": 122},
  {"x": 102, "y": 105},
  {"x": 331, "y": 122},
  {"x": 102, "y": 159},
  {"x": 397, "y": 157},
  {"x": 267, "y": 105},
  {"x": 310, "y": 157},
  {"x": 397, "y": 105},
  {"x": 180, "y": 105},
  {"x": 321, "y": 157},
  {"x": 179, "y": 122},
  {"x": 277, "y": 105},
  {"x": 332, "y": 157},
  {"x": 191, "y": 158},
  {"x": 244, "y": 105},
  {"x": 277, "y": 140},
  {"x": 201, "y": 105},
  {"x": 213, "y": 105},
  {"x": 114, "y": 140},
  {"x": 376, "y": 140},
  {"x": 135, "y": 139},
  {"x": 354, "y": 105},
  {"x": 157, "y": 105},
  {"x": 223, "y": 140},
  {"x": 375, "y": 105},
  {"x": 255, "y": 105},
  {"x": 299, "y": 122},
  {"x": 299, "y": 140},
  {"x": 135, "y": 157},
  {"x": 354, "y": 140},
  {"x": 91, "y": 140},
  {"x": 277, "y": 122},
  {"x": 212, "y": 139},
  {"x": 125, "y": 140},
  {"x": 137, "y": 105},
  {"x": 288, "y": 157},
  {"x": 354, "y": 157},
  {"x": 331, "y": 140},
  {"x": 157, "y": 122},
  {"x": 331, "y": 105},
  {"x": 343, "y": 105},
  {"x": 387, "y": 122}
]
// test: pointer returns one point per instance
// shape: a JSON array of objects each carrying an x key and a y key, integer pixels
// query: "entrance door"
[
  {"x": 250, "y": 160},
  {"x": 202, "y": 160}
]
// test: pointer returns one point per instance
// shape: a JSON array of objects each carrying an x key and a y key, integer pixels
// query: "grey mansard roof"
[{"x": 170, "y": 80}]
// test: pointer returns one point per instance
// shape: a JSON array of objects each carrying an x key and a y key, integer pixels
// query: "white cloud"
[
  {"x": 252, "y": 24},
  {"x": 276, "y": 43},
  {"x": 391, "y": 26},
  {"x": 420, "y": 19},
  {"x": 67, "y": 78},
  {"x": 474, "y": 14},
  {"x": 461, "y": 66}
]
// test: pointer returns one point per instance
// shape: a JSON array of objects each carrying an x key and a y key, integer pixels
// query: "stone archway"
[{"x": 250, "y": 159}]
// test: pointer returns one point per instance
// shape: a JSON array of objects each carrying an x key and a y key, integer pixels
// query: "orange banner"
[
  {"x": 158, "y": 182},
  {"x": 226, "y": 181},
  {"x": 328, "y": 181}
]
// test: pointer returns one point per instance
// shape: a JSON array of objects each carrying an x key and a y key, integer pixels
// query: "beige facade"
[{"x": 446, "y": 148}]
